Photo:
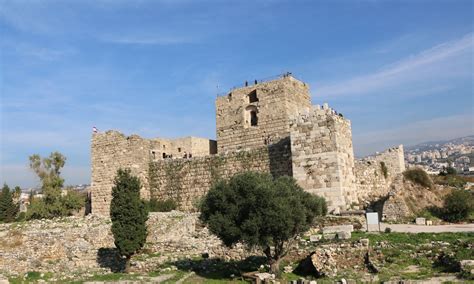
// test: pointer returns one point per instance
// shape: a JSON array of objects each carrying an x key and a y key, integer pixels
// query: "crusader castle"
[{"x": 268, "y": 127}]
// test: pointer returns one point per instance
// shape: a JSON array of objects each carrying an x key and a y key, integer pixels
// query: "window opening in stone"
[
  {"x": 154, "y": 154},
  {"x": 179, "y": 150},
  {"x": 253, "y": 97},
  {"x": 253, "y": 118},
  {"x": 164, "y": 155}
]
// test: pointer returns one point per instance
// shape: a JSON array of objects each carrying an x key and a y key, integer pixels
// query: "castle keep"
[{"x": 267, "y": 127}]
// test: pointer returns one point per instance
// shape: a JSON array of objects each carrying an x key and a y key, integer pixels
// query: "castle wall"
[
  {"x": 187, "y": 180},
  {"x": 371, "y": 182},
  {"x": 112, "y": 150},
  {"x": 322, "y": 156},
  {"x": 277, "y": 101}
]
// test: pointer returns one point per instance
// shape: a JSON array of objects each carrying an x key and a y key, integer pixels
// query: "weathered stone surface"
[
  {"x": 336, "y": 229},
  {"x": 420, "y": 221},
  {"x": 322, "y": 155},
  {"x": 344, "y": 235},
  {"x": 315, "y": 238},
  {"x": 73, "y": 244}
]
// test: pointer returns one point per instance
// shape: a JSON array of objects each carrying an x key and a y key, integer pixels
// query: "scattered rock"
[{"x": 315, "y": 238}]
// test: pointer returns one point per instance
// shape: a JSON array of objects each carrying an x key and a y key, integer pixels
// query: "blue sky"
[{"x": 401, "y": 71}]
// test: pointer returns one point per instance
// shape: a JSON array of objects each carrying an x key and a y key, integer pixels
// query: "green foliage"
[
  {"x": 261, "y": 212},
  {"x": 447, "y": 171},
  {"x": 450, "y": 180},
  {"x": 458, "y": 205},
  {"x": 63, "y": 205},
  {"x": 53, "y": 204},
  {"x": 8, "y": 209},
  {"x": 155, "y": 205},
  {"x": 418, "y": 176},
  {"x": 128, "y": 214},
  {"x": 384, "y": 169}
]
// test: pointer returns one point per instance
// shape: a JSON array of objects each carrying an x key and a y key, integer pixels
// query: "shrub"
[
  {"x": 260, "y": 212},
  {"x": 450, "y": 180},
  {"x": 458, "y": 205},
  {"x": 418, "y": 176},
  {"x": 155, "y": 205},
  {"x": 388, "y": 230},
  {"x": 447, "y": 171},
  {"x": 128, "y": 215},
  {"x": 43, "y": 208}
]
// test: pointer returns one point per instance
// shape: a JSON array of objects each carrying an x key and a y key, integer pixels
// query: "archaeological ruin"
[{"x": 270, "y": 126}]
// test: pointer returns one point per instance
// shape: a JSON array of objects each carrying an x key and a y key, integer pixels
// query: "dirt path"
[{"x": 404, "y": 228}]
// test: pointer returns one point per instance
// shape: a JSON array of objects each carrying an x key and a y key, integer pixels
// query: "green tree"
[
  {"x": 458, "y": 205},
  {"x": 260, "y": 212},
  {"x": 16, "y": 192},
  {"x": 53, "y": 204},
  {"x": 128, "y": 214},
  {"x": 8, "y": 209},
  {"x": 49, "y": 172}
]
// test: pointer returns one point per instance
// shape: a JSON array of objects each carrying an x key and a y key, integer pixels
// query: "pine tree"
[
  {"x": 8, "y": 209},
  {"x": 128, "y": 215}
]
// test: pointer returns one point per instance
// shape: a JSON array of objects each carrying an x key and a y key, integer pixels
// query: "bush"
[
  {"x": 388, "y": 230},
  {"x": 458, "y": 205},
  {"x": 418, "y": 176},
  {"x": 447, "y": 171},
  {"x": 43, "y": 208},
  {"x": 155, "y": 205},
  {"x": 260, "y": 212},
  {"x": 450, "y": 180}
]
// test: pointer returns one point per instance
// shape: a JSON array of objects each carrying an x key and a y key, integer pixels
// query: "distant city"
[{"x": 438, "y": 155}]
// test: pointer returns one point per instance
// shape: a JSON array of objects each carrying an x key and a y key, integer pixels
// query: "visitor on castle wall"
[{"x": 94, "y": 129}]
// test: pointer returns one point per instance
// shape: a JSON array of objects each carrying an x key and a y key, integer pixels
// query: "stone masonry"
[
  {"x": 267, "y": 127},
  {"x": 322, "y": 155}
]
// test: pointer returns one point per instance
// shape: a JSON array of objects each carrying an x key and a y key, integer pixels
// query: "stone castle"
[{"x": 268, "y": 126}]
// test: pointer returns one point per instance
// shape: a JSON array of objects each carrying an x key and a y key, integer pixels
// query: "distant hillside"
[{"x": 426, "y": 146}]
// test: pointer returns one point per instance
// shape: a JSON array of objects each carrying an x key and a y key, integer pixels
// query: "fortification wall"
[
  {"x": 187, "y": 180},
  {"x": 372, "y": 181},
  {"x": 111, "y": 151},
  {"x": 272, "y": 102},
  {"x": 322, "y": 156}
]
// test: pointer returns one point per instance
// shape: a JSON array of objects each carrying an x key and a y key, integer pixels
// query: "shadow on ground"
[
  {"x": 215, "y": 268},
  {"x": 110, "y": 258}
]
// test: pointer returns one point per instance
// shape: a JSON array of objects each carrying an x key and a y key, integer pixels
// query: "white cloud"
[
  {"x": 429, "y": 64},
  {"x": 441, "y": 128},
  {"x": 147, "y": 40}
]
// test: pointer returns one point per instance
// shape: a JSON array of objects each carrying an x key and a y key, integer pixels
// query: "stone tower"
[
  {"x": 259, "y": 115},
  {"x": 323, "y": 157}
]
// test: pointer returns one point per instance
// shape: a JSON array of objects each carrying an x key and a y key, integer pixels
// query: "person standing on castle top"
[{"x": 94, "y": 129}]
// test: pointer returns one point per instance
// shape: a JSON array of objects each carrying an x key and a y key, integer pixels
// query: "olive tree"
[{"x": 261, "y": 212}]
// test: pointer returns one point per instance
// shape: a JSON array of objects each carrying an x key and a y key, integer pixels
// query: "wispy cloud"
[
  {"x": 147, "y": 40},
  {"x": 407, "y": 69},
  {"x": 415, "y": 132}
]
